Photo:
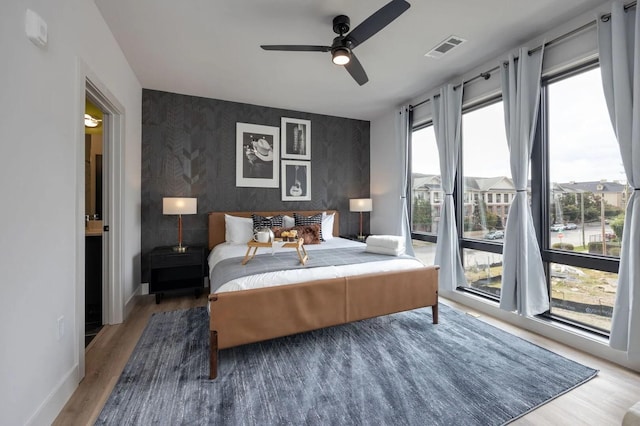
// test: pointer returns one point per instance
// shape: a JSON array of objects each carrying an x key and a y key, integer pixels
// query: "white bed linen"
[{"x": 270, "y": 279}]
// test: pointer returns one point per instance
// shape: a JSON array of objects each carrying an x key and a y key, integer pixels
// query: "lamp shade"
[
  {"x": 175, "y": 205},
  {"x": 360, "y": 205}
]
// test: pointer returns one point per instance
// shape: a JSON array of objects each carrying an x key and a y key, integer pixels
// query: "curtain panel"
[
  {"x": 447, "y": 119},
  {"x": 619, "y": 47},
  {"x": 403, "y": 133},
  {"x": 524, "y": 286}
]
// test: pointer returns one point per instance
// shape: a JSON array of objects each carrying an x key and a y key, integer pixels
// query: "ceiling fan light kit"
[
  {"x": 342, "y": 47},
  {"x": 340, "y": 55}
]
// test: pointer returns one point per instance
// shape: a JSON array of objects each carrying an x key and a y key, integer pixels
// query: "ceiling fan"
[{"x": 342, "y": 47}]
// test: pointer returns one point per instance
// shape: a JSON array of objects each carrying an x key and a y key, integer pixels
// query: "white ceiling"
[{"x": 211, "y": 48}]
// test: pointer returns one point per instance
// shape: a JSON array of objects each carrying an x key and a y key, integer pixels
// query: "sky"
[{"x": 582, "y": 143}]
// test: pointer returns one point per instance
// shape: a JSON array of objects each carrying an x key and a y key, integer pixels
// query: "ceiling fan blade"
[
  {"x": 296, "y": 48},
  {"x": 376, "y": 22},
  {"x": 354, "y": 67}
]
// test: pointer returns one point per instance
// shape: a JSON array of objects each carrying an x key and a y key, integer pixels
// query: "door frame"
[{"x": 90, "y": 86}]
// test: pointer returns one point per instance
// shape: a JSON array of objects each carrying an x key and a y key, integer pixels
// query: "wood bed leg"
[
  {"x": 213, "y": 354},
  {"x": 434, "y": 313}
]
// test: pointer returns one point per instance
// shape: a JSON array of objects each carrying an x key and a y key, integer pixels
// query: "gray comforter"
[{"x": 232, "y": 268}]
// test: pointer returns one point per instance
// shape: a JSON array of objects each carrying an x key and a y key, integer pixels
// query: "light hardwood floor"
[{"x": 601, "y": 401}]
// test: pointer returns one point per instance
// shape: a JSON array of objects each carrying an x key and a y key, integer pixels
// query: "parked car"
[
  {"x": 494, "y": 235},
  {"x": 557, "y": 227},
  {"x": 570, "y": 226}
]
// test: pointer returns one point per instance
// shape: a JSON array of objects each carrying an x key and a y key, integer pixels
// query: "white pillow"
[
  {"x": 238, "y": 230},
  {"x": 288, "y": 222},
  {"x": 327, "y": 226}
]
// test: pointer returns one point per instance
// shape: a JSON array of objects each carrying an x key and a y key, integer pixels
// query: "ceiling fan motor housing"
[{"x": 341, "y": 24}]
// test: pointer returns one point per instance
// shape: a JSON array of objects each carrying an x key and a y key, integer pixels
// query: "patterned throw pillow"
[
  {"x": 302, "y": 220},
  {"x": 268, "y": 222}
]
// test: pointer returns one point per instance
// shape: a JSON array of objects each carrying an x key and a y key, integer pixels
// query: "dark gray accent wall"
[{"x": 188, "y": 150}]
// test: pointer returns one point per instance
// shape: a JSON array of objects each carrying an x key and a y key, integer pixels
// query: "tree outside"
[
  {"x": 421, "y": 215},
  {"x": 482, "y": 218},
  {"x": 617, "y": 224}
]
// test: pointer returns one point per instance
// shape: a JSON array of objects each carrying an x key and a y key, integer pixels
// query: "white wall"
[
  {"x": 573, "y": 51},
  {"x": 40, "y": 112}
]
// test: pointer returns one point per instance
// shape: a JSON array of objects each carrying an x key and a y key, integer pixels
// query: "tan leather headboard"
[{"x": 216, "y": 222}]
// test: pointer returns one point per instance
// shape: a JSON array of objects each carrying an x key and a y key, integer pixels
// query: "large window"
[
  {"x": 588, "y": 188},
  {"x": 425, "y": 193},
  {"x": 485, "y": 171},
  {"x": 587, "y": 195},
  {"x": 577, "y": 193},
  {"x": 485, "y": 167},
  {"x": 425, "y": 182}
]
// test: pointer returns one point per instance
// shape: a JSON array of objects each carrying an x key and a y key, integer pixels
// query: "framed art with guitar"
[
  {"x": 296, "y": 138},
  {"x": 296, "y": 180}
]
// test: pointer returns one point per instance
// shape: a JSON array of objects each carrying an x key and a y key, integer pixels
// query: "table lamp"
[
  {"x": 179, "y": 206},
  {"x": 360, "y": 205}
]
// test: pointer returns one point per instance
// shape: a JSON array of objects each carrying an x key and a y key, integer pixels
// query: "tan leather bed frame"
[{"x": 249, "y": 316}]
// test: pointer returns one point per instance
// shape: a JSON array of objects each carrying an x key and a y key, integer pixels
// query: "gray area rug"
[{"x": 394, "y": 370}]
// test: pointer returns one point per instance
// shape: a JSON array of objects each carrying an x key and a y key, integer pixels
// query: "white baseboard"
[
  {"x": 134, "y": 299},
  {"x": 55, "y": 401}
]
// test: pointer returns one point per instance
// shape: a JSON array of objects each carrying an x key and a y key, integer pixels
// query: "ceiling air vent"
[{"x": 445, "y": 46}]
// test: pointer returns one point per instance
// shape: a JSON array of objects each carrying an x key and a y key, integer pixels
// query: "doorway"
[
  {"x": 94, "y": 228},
  {"x": 107, "y": 223}
]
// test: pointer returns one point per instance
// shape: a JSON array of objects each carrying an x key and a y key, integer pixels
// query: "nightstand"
[{"x": 174, "y": 271}]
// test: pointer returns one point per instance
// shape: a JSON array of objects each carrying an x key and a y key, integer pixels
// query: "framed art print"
[
  {"x": 296, "y": 180},
  {"x": 296, "y": 138},
  {"x": 257, "y": 155}
]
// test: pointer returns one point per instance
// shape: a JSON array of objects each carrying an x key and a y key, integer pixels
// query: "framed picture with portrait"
[
  {"x": 257, "y": 155},
  {"x": 296, "y": 138},
  {"x": 296, "y": 180}
]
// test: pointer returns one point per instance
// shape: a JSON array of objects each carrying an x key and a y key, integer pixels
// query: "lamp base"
[{"x": 180, "y": 249}]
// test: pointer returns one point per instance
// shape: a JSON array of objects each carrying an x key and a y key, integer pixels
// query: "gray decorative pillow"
[
  {"x": 266, "y": 222},
  {"x": 302, "y": 220}
]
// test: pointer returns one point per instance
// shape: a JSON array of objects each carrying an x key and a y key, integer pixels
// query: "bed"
[{"x": 321, "y": 299}]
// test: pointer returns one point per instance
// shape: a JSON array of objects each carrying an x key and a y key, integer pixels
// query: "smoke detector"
[{"x": 445, "y": 46}]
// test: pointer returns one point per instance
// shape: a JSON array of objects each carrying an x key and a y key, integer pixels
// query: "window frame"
[
  {"x": 490, "y": 246},
  {"x": 541, "y": 156},
  {"x": 542, "y": 221}
]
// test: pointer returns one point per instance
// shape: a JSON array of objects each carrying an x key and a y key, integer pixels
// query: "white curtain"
[
  {"x": 402, "y": 135},
  {"x": 619, "y": 45},
  {"x": 524, "y": 287},
  {"x": 447, "y": 115}
]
